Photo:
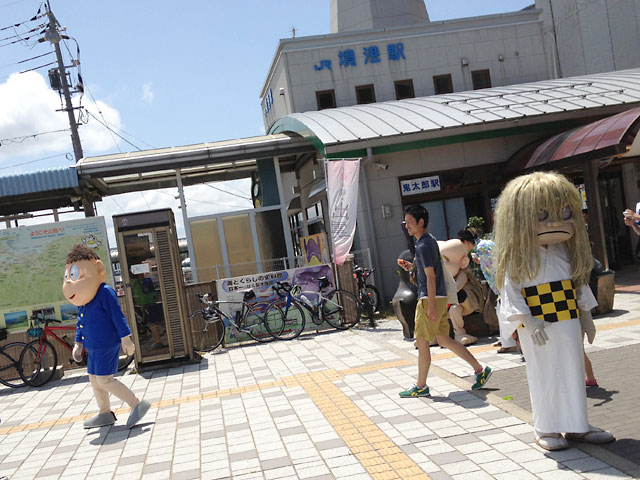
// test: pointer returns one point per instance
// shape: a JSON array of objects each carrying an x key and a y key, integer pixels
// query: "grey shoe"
[
  {"x": 101, "y": 420},
  {"x": 137, "y": 413}
]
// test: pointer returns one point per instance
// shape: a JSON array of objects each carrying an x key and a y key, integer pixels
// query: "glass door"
[{"x": 144, "y": 290}]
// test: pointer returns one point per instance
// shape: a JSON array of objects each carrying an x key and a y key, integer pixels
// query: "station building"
[{"x": 444, "y": 113}]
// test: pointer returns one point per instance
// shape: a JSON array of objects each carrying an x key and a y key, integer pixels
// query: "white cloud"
[
  {"x": 147, "y": 93},
  {"x": 29, "y": 107}
]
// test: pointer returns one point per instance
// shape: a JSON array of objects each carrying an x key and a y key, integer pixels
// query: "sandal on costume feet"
[
  {"x": 137, "y": 413},
  {"x": 595, "y": 435},
  {"x": 590, "y": 383},
  {"x": 506, "y": 350},
  {"x": 550, "y": 441},
  {"x": 100, "y": 420}
]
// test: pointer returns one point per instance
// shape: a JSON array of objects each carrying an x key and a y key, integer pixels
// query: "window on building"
[
  {"x": 443, "y": 84},
  {"x": 326, "y": 99},
  {"x": 404, "y": 89},
  {"x": 365, "y": 94},
  {"x": 481, "y": 79}
]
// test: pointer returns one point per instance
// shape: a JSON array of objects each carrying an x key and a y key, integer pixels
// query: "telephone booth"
[{"x": 153, "y": 285}]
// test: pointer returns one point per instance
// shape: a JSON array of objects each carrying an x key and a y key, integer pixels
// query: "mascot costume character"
[
  {"x": 543, "y": 266},
  {"x": 455, "y": 255},
  {"x": 102, "y": 329}
]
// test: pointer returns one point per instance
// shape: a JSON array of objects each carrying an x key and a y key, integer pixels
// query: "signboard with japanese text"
[
  {"x": 342, "y": 196},
  {"x": 415, "y": 186},
  {"x": 369, "y": 54},
  {"x": 32, "y": 260},
  {"x": 232, "y": 290}
]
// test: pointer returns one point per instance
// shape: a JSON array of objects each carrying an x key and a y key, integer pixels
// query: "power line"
[
  {"x": 36, "y": 68},
  {"x": 111, "y": 130},
  {"x": 202, "y": 201},
  {"x": 34, "y": 135},
  {"x": 25, "y": 60},
  {"x": 32, "y": 161},
  {"x": 228, "y": 193}
]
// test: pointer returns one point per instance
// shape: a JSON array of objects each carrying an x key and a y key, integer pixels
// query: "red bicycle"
[{"x": 39, "y": 360}]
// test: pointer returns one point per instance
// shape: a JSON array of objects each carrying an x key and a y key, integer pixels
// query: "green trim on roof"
[
  {"x": 465, "y": 137},
  {"x": 288, "y": 124}
]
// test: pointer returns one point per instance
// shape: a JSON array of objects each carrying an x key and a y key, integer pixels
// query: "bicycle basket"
[{"x": 35, "y": 332}]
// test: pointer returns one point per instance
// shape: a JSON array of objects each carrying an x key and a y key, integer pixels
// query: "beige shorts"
[{"x": 427, "y": 329}]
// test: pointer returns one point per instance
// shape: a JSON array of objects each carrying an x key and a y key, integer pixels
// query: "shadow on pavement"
[{"x": 600, "y": 393}]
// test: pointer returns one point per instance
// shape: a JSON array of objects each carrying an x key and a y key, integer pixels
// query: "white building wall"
[{"x": 591, "y": 36}]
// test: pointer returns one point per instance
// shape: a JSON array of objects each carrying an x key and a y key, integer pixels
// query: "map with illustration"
[{"x": 32, "y": 260}]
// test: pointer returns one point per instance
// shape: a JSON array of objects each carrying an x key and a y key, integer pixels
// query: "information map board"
[{"x": 32, "y": 260}]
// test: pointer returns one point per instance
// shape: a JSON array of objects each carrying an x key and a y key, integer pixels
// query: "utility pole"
[{"x": 52, "y": 35}]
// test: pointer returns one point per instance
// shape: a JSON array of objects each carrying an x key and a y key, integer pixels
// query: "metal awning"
[
  {"x": 607, "y": 138},
  {"x": 39, "y": 190},
  {"x": 204, "y": 162},
  {"x": 465, "y": 116}
]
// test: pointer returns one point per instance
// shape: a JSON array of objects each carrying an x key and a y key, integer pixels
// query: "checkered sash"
[{"x": 553, "y": 301}]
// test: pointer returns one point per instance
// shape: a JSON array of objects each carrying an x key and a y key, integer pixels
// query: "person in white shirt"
[{"x": 543, "y": 265}]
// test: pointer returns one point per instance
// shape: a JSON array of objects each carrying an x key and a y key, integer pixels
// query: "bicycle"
[
  {"x": 367, "y": 294},
  {"x": 209, "y": 325},
  {"x": 10, "y": 362},
  {"x": 39, "y": 359},
  {"x": 339, "y": 308}
]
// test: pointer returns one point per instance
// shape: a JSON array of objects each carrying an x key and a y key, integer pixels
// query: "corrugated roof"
[
  {"x": 401, "y": 121},
  {"x": 38, "y": 181}
]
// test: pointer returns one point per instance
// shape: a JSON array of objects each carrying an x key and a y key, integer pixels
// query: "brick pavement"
[{"x": 324, "y": 406}]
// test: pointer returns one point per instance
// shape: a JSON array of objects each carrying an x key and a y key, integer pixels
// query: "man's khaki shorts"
[{"x": 427, "y": 329}]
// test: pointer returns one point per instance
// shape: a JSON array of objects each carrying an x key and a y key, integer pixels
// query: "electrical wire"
[
  {"x": 19, "y": 34},
  {"x": 110, "y": 129},
  {"x": 25, "y": 60},
  {"x": 34, "y": 135},
  {"x": 32, "y": 161},
  {"x": 202, "y": 201},
  {"x": 228, "y": 193},
  {"x": 104, "y": 119},
  {"x": 36, "y": 68}
]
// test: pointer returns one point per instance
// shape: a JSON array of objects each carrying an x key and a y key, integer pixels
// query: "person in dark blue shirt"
[
  {"x": 102, "y": 330},
  {"x": 431, "y": 319}
]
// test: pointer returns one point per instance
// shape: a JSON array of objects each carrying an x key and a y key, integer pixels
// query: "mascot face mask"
[
  {"x": 82, "y": 280},
  {"x": 555, "y": 227}
]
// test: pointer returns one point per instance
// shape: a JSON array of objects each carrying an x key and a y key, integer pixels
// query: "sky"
[{"x": 159, "y": 74}]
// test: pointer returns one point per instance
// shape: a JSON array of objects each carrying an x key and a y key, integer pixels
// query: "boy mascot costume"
[
  {"x": 101, "y": 330},
  {"x": 543, "y": 265}
]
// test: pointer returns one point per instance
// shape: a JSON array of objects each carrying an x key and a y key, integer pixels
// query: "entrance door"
[
  {"x": 447, "y": 217},
  {"x": 144, "y": 294}
]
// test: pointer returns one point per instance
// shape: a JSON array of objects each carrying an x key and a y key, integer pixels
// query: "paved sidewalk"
[{"x": 323, "y": 406}]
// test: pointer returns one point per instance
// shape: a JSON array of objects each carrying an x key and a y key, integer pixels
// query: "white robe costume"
[{"x": 555, "y": 371}]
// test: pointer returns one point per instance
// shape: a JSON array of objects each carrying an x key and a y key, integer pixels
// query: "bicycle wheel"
[
  {"x": 124, "y": 360},
  {"x": 370, "y": 301},
  {"x": 207, "y": 331},
  {"x": 284, "y": 322},
  {"x": 253, "y": 323},
  {"x": 10, "y": 365},
  {"x": 38, "y": 362},
  {"x": 341, "y": 309}
]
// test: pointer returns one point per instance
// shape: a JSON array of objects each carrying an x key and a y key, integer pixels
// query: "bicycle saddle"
[{"x": 248, "y": 295}]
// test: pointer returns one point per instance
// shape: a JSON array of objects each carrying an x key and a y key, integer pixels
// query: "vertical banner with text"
[{"x": 342, "y": 195}]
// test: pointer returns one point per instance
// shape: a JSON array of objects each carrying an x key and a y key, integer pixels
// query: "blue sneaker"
[
  {"x": 416, "y": 392},
  {"x": 482, "y": 378}
]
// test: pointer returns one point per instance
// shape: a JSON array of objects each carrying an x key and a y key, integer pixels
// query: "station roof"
[
  {"x": 203, "y": 162},
  {"x": 465, "y": 116},
  {"x": 39, "y": 190}
]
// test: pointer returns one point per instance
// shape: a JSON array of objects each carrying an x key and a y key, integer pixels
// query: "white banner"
[{"x": 342, "y": 195}]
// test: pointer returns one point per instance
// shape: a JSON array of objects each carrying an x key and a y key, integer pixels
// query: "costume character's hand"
[
  {"x": 535, "y": 327},
  {"x": 127, "y": 345},
  {"x": 588, "y": 327},
  {"x": 77, "y": 352}
]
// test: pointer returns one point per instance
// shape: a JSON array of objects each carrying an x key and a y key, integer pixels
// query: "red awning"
[{"x": 607, "y": 138}]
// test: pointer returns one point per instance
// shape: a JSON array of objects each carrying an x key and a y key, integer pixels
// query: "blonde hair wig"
[{"x": 516, "y": 226}]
